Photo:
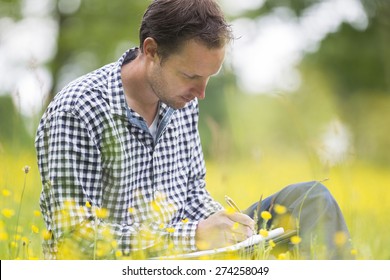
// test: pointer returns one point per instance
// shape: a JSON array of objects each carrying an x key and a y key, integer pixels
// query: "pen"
[{"x": 232, "y": 204}]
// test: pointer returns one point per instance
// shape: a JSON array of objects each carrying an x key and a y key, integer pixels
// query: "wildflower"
[
  {"x": 155, "y": 206},
  {"x": 263, "y": 232},
  {"x": 6, "y": 192},
  {"x": 280, "y": 209},
  {"x": 131, "y": 210},
  {"x": 14, "y": 244},
  {"x": 37, "y": 213},
  {"x": 46, "y": 235},
  {"x": 26, "y": 169},
  {"x": 34, "y": 229},
  {"x": 101, "y": 213},
  {"x": 354, "y": 252},
  {"x": 170, "y": 230},
  {"x": 282, "y": 256},
  {"x": 88, "y": 204},
  {"x": 230, "y": 211},
  {"x": 8, "y": 213},
  {"x": 161, "y": 226},
  {"x": 185, "y": 220},
  {"x": 118, "y": 253},
  {"x": 295, "y": 240},
  {"x": 340, "y": 238},
  {"x": 266, "y": 215},
  {"x": 272, "y": 243},
  {"x": 3, "y": 236},
  {"x": 17, "y": 237},
  {"x": 69, "y": 204}
]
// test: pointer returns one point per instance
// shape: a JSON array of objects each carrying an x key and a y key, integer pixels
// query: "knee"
[{"x": 313, "y": 191}]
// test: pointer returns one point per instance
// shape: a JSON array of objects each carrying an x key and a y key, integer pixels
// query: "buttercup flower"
[
  {"x": 266, "y": 215},
  {"x": 34, "y": 229},
  {"x": 263, "y": 232},
  {"x": 280, "y": 209},
  {"x": 295, "y": 240}
]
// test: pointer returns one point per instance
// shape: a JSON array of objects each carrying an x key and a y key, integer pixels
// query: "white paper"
[{"x": 253, "y": 240}]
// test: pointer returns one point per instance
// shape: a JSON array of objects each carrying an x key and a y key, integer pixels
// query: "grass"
[{"x": 360, "y": 188}]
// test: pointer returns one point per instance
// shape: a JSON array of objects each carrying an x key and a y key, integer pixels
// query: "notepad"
[{"x": 248, "y": 243}]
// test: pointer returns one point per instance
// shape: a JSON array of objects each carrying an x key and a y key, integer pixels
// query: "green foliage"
[{"x": 13, "y": 133}]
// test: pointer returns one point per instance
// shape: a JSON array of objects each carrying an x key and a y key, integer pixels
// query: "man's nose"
[{"x": 200, "y": 91}]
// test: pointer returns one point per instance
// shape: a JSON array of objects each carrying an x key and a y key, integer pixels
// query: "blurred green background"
[{"x": 304, "y": 94}]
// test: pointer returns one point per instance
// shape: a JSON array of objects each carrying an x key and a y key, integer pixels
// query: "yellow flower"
[
  {"x": 34, "y": 229},
  {"x": 26, "y": 169},
  {"x": 185, "y": 220},
  {"x": 266, "y": 215},
  {"x": 17, "y": 237},
  {"x": 155, "y": 206},
  {"x": 161, "y": 226},
  {"x": 6, "y": 192},
  {"x": 340, "y": 238},
  {"x": 263, "y": 232},
  {"x": 118, "y": 253},
  {"x": 280, "y": 209},
  {"x": 37, "y": 213},
  {"x": 3, "y": 236},
  {"x": 88, "y": 204},
  {"x": 295, "y": 240},
  {"x": 14, "y": 244},
  {"x": 272, "y": 243},
  {"x": 114, "y": 244},
  {"x": 235, "y": 226},
  {"x": 170, "y": 230},
  {"x": 8, "y": 213},
  {"x": 354, "y": 252},
  {"x": 46, "y": 235},
  {"x": 282, "y": 256},
  {"x": 230, "y": 211},
  {"x": 131, "y": 210},
  {"x": 101, "y": 213}
]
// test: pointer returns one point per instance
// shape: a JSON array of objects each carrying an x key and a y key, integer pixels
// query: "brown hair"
[{"x": 172, "y": 22}]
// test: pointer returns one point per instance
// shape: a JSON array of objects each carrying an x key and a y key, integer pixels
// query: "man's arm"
[{"x": 70, "y": 162}]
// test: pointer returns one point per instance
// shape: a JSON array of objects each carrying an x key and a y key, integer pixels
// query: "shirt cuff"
[{"x": 183, "y": 236}]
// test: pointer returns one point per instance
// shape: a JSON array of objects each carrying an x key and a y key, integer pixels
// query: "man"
[{"x": 119, "y": 151}]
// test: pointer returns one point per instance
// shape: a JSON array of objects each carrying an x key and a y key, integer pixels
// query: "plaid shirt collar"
[{"x": 117, "y": 101}]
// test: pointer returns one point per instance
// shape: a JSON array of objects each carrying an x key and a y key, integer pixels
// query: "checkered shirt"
[{"x": 105, "y": 176}]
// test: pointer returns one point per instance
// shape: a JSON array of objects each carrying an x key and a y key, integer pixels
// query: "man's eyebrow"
[{"x": 195, "y": 76}]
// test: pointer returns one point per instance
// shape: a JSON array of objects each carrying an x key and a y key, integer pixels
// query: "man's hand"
[{"x": 223, "y": 229}]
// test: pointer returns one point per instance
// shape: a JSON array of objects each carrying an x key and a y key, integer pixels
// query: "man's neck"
[{"x": 139, "y": 97}]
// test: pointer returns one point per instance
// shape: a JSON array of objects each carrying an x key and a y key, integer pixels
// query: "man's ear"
[{"x": 150, "y": 48}]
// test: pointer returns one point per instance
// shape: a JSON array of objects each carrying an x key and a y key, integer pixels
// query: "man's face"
[{"x": 184, "y": 75}]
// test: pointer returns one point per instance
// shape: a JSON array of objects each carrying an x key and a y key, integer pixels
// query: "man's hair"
[{"x": 173, "y": 22}]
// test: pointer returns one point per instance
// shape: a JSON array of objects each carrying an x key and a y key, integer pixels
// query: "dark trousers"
[{"x": 314, "y": 214}]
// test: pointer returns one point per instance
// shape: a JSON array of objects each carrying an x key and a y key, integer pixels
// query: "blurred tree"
[
  {"x": 92, "y": 34},
  {"x": 13, "y": 133},
  {"x": 356, "y": 64}
]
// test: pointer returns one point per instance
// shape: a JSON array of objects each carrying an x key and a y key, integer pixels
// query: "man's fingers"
[{"x": 242, "y": 219}]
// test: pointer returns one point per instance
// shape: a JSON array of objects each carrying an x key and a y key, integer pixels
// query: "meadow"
[{"x": 360, "y": 188}]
